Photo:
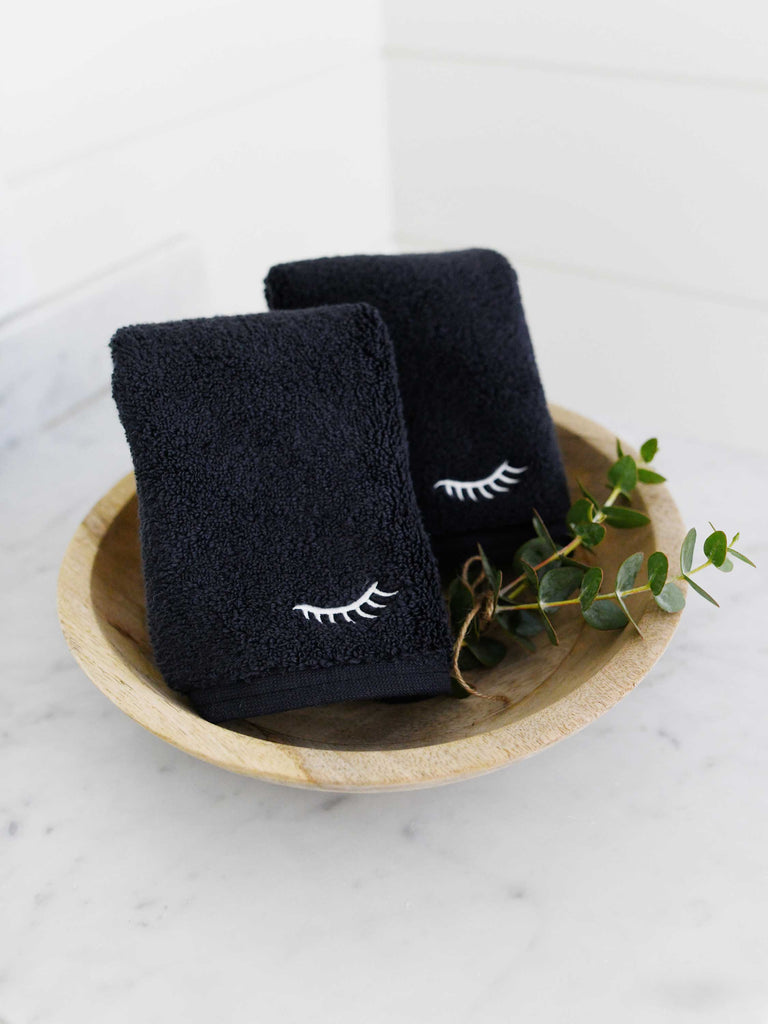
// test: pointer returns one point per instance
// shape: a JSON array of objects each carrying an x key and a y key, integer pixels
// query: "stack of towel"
[{"x": 300, "y": 471}]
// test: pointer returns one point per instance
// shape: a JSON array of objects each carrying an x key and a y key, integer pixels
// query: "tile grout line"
[
  {"x": 625, "y": 280},
  {"x": 457, "y": 57},
  {"x": 23, "y": 178},
  {"x": 116, "y": 267}
]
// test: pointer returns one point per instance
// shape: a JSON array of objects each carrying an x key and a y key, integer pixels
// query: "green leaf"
[
  {"x": 623, "y": 474},
  {"x": 590, "y": 586},
  {"x": 658, "y": 569},
  {"x": 509, "y": 622},
  {"x": 700, "y": 590},
  {"x": 587, "y": 495},
  {"x": 648, "y": 449},
  {"x": 624, "y": 518},
  {"x": 742, "y": 558},
  {"x": 543, "y": 533},
  {"x": 686, "y": 551},
  {"x": 628, "y": 570},
  {"x": 457, "y": 690},
  {"x": 619, "y": 451},
  {"x": 549, "y": 629},
  {"x": 492, "y": 574},
  {"x": 580, "y": 522},
  {"x": 647, "y": 476},
  {"x": 627, "y": 612},
  {"x": 528, "y": 623},
  {"x": 582, "y": 511},
  {"x": 727, "y": 566},
  {"x": 591, "y": 534},
  {"x": 558, "y": 584},
  {"x": 460, "y": 603},
  {"x": 489, "y": 652},
  {"x": 567, "y": 560},
  {"x": 735, "y": 538},
  {"x": 671, "y": 599},
  {"x": 467, "y": 660},
  {"x": 533, "y": 552},
  {"x": 716, "y": 547},
  {"x": 530, "y": 575},
  {"x": 605, "y": 615}
]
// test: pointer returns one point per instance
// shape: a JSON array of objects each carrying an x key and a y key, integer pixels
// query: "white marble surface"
[{"x": 618, "y": 877}]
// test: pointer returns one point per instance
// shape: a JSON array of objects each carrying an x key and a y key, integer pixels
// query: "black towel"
[
  {"x": 285, "y": 561},
  {"x": 482, "y": 443}
]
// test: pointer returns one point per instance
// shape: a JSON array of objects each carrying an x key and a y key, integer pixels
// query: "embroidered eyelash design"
[
  {"x": 505, "y": 474},
  {"x": 346, "y": 611}
]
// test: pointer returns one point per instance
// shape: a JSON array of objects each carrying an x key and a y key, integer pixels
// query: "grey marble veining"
[{"x": 618, "y": 876}]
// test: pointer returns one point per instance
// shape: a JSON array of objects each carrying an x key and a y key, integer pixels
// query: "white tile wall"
[
  {"x": 621, "y": 163},
  {"x": 156, "y": 158},
  {"x": 85, "y": 75},
  {"x": 297, "y": 172},
  {"x": 54, "y": 358}
]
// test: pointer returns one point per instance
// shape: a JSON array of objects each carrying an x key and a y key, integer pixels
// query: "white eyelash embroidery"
[
  {"x": 505, "y": 474},
  {"x": 346, "y": 611}
]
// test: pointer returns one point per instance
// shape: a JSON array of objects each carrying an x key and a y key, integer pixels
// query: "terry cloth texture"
[
  {"x": 483, "y": 446},
  {"x": 285, "y": 561}
]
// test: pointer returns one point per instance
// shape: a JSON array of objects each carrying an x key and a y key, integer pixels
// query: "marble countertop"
[{"x": 620, "y": 876}]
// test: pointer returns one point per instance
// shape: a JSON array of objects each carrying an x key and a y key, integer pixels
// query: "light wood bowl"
[{"x": 370, "y": 745}]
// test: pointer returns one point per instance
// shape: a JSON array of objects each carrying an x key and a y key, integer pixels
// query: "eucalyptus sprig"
[{"x": 484, "y": 608}]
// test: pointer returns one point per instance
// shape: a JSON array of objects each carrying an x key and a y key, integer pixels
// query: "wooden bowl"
[{"x": 371, "y": 745}]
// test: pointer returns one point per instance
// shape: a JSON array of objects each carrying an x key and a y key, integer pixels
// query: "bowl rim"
[{"x": 356, "y": 770}]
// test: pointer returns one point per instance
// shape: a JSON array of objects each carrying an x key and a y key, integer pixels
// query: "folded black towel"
[
  {"x": 483, "y": 446},
  {"x": 285, "y": 561}
]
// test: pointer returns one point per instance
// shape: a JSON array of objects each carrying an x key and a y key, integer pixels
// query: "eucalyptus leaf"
[
  {"x": 530, "y": 575},
  {"x": 467, "y": 660},
  {"x": 492, "y": 574},
  {"x": 460, "y": 602},
  {"x": 623, "y": 474},
  {"x": 533, "y": 552},
  {"x": 590, "y": 497},
  {"x": 528, "y": 623},
  {"x": 605, "y": 615},
  {"x": 549, "y": 629},
  {"x": 590, "y": 586},
  {"x": 628, "y": 613},
  {"x": 628, "y": 570},
  {"x": 624, "y": 518},
  {"x": 671, "y": 598},
  {"x": 727, "y": 566},
  {"x": 591, "y": 534},
  {"x": 716, "y": 547},
  {"x": 509, "y": 622},
  {"x": 658, "y": 569},
  {"x": 648, "y": 449},
  {"x": 686, "y": 551},
  {"x": 701, "y": 591},
  {"x": 567, "y": 560},
  {"x": 457, "y": 690},
  {"x": 619, "y": 450},
  {"x": 582, "y": 511},
  {"x": 543, "y": 533},
  {"x": 489, "y": 652},
  {"x": 741, "y": 558},
  {"x": 558, "y": 584},
  {"x": 647, "y": 476}
]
